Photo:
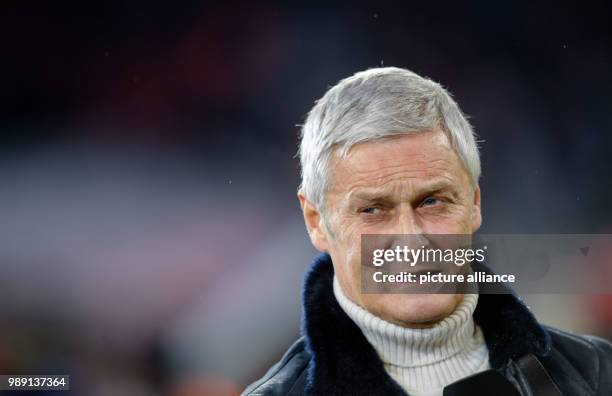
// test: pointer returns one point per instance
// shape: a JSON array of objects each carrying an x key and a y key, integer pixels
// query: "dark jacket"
[{"x": 334, "y": 358}]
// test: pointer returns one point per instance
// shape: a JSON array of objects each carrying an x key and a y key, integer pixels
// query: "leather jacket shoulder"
[
  {"x": 286, "y": 377},
  {"x": 580, "y": 365}
]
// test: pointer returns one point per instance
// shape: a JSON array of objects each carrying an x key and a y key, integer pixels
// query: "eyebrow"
[{"x": 378, "y": 194}]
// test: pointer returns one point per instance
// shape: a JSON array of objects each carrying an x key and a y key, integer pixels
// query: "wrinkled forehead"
[{"x": 422, "y": 158}]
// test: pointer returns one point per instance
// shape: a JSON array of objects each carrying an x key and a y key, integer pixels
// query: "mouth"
[{"x": 426, "y": 272}]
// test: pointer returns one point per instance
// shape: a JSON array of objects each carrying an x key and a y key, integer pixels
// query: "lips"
[{"x": 425, "y": 272}]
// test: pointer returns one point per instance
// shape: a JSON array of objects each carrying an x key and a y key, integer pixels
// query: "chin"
[{"x": 410, "y": 310}]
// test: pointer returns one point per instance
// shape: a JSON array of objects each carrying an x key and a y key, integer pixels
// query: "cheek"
[
  {"x": 464, "y": 223},
  {"x": 456, "y": 220},
  {"x": 346, "y": 254},
  {"x": 347, "y": 264},
  {"x": 351, "y": 254},
  {"x": 347, "y": 232}
]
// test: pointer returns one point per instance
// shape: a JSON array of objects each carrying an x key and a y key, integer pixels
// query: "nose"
[
  {"x": 407, "y": 230},
  {"x": 406, "y": 221}
]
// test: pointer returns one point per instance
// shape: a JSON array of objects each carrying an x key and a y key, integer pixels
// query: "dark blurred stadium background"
[{"x": 150, "y": 239}]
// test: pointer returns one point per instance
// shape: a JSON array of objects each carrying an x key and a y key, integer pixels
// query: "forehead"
[{"x": 418, "y": 157}]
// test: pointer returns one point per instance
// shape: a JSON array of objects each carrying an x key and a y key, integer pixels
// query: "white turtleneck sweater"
[{"x": 424, "y": 361}]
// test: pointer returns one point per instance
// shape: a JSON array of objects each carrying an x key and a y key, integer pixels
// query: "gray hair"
[{"x": 376, "y": 104}]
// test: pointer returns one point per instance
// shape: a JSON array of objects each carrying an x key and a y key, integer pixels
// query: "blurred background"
[{"x": 150, "y": 238}]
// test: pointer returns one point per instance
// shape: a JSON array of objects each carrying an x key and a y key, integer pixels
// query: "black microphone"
[{"x": 486, "y": 383}]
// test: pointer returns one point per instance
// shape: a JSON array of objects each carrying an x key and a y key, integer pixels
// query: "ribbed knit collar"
[{"x": 452, "y": 349}]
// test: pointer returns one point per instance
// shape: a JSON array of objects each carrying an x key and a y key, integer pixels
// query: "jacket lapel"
[{"x": 343, "y": 362}]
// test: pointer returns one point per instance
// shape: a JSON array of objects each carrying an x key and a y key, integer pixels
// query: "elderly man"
[{"x": 389, "y": 152}]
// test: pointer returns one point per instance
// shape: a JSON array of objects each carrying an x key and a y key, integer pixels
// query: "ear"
[
  {"x": 476, "y": 214},
  {"x": 314, "y": 224}
]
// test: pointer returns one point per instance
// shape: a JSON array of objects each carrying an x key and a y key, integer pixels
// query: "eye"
[
  {"x": 371, "y": 210},
  {"x": 430, "y": 201}
]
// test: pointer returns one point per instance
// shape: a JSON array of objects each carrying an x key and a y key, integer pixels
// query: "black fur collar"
[{"x": 344, "y": 363}]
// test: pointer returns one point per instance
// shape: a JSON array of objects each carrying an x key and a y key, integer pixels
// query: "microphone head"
[{"x": 486, "y": 382}]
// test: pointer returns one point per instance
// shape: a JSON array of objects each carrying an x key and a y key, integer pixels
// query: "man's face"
[{"x": 410, "y": 184}]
